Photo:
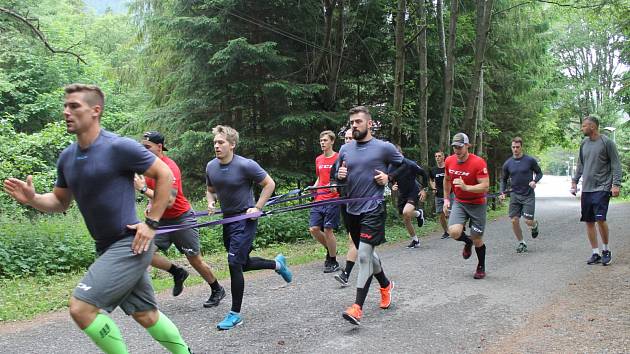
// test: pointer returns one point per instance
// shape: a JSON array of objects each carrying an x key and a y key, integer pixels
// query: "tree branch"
[
  {"x": 573, "y": 6},
  {"x": 40, "y": 35}
]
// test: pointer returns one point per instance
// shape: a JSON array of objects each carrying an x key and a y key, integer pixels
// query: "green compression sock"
[
  {"x": 167, "y": 334},
  {"x": 106, "y": 335}
]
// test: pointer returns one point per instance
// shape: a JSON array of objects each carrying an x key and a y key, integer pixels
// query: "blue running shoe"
[
  {"x": 284, "y": 271},
  {"x": 231, "y": 320}
]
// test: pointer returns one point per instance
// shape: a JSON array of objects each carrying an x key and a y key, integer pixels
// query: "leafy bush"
[{"x": 47, "y": 245}]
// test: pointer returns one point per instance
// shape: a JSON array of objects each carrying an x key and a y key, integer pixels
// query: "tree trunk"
[
  {"x": 333, "y": 76},
  {"x": 439, "y": 15},
  {"x": 448, "y": 77},
  {"x": 399, "y": 72},
  {"x": 329, "y": 7},
  {"x": 479, "y": 121},
  {"x": 484, "y": 13},
  {"x": 421, "y": 43}
]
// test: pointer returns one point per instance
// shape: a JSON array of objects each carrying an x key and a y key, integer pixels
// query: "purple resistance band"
[{"x": 257, "y": 214}]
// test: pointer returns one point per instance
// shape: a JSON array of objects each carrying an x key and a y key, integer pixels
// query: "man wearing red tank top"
[
  {"x": 178, "y": 212},
  {"x": 466, "y": 175}
]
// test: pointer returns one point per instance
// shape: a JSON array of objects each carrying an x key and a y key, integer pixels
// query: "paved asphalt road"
[{"x": 438, "y": 306}]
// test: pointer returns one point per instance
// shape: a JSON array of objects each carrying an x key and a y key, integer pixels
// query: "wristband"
[
  {"x": 152, "y": 223},
  {"x": 143, "y": 189}
]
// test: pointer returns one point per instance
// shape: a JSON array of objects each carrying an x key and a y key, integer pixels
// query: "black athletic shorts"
[
  {"x": 403, "y": 200},
  {"x": 368, "y": 227},
  {"x": 594, "y": 206}
]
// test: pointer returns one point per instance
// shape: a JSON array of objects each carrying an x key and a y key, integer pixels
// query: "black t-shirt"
[{"x": 437, "y": 175}]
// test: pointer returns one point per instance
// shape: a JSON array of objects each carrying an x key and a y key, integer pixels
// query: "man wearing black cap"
[
  {"x": 467, "y": 176},
  {"x": 178, "y": 212}
]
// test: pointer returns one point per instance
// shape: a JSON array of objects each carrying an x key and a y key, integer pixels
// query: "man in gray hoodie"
[{"x": 600, "y": 170}]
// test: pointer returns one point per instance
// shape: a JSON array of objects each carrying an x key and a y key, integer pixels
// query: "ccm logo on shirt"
[
  {"x": 325, "y": 166},
  {"x": 458, "y": 173}
]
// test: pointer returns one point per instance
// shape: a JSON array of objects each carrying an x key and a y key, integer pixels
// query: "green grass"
[{"x": 26, "y": 298}]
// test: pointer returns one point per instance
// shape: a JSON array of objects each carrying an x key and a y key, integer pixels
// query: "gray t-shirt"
[
  {"x": 233, "y": 182},
  {"x": 101, "y": 181},
  {"x": 598, "y": 165},
  {"x": 362, "y": 160}
]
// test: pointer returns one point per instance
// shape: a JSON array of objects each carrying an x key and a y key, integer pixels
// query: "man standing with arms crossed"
[
  {"x": 523, "y": 172},
  {"x": 178, "y": 212},
  {"x": 599, "y": 167},
  {"x": 467, "y": 175},
  {"x": 362, "y": 164},
  {"x": 97, "y": 171},
  {"x": 436, "y": 179},
  {"x": 325, "y": 218},
  {"x": 231, "y": 177}
]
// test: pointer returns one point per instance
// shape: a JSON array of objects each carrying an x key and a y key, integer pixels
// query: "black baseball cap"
[{"x": 156, "y": 138}]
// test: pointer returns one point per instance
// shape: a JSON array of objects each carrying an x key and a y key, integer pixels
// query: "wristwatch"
[
  {"x": 143, "y": 189},
  {"x": 152, "y": 223}
]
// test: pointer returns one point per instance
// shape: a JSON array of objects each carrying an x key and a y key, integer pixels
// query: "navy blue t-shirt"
[
  {"x": 233, "y": 182},
  {"x": 521, "y": 171},
  {"x": 405, "y": 176},
  {"x": 362, "y": 160},
  {"x": 100, "y": 178}
]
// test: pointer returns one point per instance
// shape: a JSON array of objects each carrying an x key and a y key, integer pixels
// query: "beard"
[{"x": 359, "y": 135}]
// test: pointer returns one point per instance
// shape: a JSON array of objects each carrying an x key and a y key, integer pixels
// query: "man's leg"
[
  {"x": 456, "y": 222},
  {"x": 99, "y": 327},
  {"x": 163, "y": 242},
  {"x": 162, "y": 330},
  {"x": 443, "y": 223},
  {"x": 218, "y": 293},
  {"x": 408, "y": 214},
  {"x": 331, "y": 244}
]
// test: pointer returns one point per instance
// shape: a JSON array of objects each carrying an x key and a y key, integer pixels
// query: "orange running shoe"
[
  {"x": 353, "y": 314},
  {"x": 386, "y": 295}
]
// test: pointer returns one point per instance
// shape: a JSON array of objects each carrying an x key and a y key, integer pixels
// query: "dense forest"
[{"x": 280, "y": 71}]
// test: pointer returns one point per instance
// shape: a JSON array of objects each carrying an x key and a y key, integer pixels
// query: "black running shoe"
[
  {"x": 342, "y": 277},
  {"x": 606, "y": 258},
  {"x": 445, "y": 236},
  {"x": 215, "y": 298},
  {"x": 535, "y": 230},
  {"x": 595, "y": 258},
  {"x": 178, "y": 280},
  {"x": 414, "y": 244},
  {"x": 420, "y": 218},
  {"x": 331, "y": 267}
]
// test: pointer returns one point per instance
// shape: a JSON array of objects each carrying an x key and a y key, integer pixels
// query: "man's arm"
[
  {"x": 24, "y": 192},
  {"x": 212, "y": 199},
  {"x": 505, "y": 175},
  {"x": 268, "y": 186},
  {"x": 163, "y": 177},
  {"x": 615, "y": 164},
  {"x": 482, "y": 186}
]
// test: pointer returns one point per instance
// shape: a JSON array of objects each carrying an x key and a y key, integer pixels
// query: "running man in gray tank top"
[
  {"x": 97, "y": 171},
  {"x": 364, "y": 163},
  {"x": 600, "y": 170}
]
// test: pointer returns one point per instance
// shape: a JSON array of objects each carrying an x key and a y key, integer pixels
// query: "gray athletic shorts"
[
  {"x": 119, "y": 278},
  {"x": 476, "y": 213},
  {"x": 439, "y": 204},
  {"x": 521, "y": 205},
  {"x": 186, "y": 241}
]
